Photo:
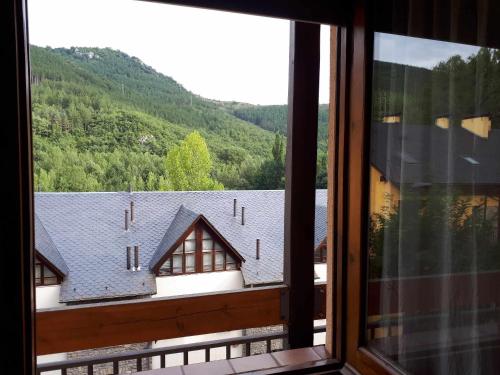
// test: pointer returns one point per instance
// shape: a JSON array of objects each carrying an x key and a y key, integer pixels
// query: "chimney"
[
  {"x": 132, "y": 213},
  {"x": 126, "y": 220},
  {"x": 257, "y": 249},
  {"x": 129, "y": 250},
  {"x": 136, "y": 258},
  {"x": 234, "y": 207},
  {"x": 242, "y": 215}
]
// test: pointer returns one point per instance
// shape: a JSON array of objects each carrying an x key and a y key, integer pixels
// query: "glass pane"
[
  {"x": 50, "y": 280},
  {"x": 177, "y": 263},
  {"x": 231, "y": 266},
  {"x": 47, "y": 272},
  {"x": 178, "y": 250},
  {"x": 38, "y": 270},
  {"x": 207, "y": 261},
  {"x": 191, "y": 236},
  {"x": 189, "y": 246},
  {"x": 434, "y": 253},
  {"x": 208, "y": 244},
  {"x": 190, "y": 262},
  {"x": 219, "y": 260},
  {"x": 217, "y": 246},
  {"x": 166, "y": 268},
  {"x": 206, "y": 235}
]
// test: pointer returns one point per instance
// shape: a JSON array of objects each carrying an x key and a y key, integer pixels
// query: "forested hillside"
[
  {"x": 274, "y": 118},
  {"x": 103, "y": 120}
]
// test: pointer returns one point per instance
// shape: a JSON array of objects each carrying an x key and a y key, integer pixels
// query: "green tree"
[
  {"x": 272, "y": 171},
  {"x": 189, "y": 165},
  {"x": 432, "y": 233}
]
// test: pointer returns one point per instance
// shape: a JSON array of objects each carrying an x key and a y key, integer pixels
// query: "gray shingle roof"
[
  {"x": 182, "y": 221},
  {"x": 46, "y": 247},
  {"x": 427, "y": 154},
  {"x": 88, "y": 229}
]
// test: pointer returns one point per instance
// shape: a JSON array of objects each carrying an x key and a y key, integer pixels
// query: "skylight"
[{"x": 471, "y": 160}]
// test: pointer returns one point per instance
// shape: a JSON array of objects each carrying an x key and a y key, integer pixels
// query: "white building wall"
[
  {"x": 47, "y": 296},
  {"x": 320, "y": 269},
  {"x": 168, "y": 286}
]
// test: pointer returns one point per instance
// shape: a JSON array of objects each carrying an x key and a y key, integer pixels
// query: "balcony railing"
[
  {"x": 139, "y": 355},
  {"x": 99, "y": 325},
  {"x": 90, "y": 326}
]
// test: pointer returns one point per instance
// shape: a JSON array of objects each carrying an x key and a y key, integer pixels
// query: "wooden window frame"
[
  {"x": 303, "y": 106},
  {"x": 349, "y": 182},
  {"x": 348, "y": 138}
]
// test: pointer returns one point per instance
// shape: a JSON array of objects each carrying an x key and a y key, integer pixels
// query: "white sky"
[
  {"x": 424, "y": 53},
  {"x": 217, "y": 55}
]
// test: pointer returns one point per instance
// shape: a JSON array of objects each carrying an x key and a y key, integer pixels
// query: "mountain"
[
  {"x": 103, "y": 120},
  {"x": 274, "y": 117}
]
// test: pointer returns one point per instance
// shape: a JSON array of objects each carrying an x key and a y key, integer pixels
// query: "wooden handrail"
[{"x": 106, "y": 324}]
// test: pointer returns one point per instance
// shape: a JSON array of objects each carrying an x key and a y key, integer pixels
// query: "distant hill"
[
  {"x": 91, "y": 105},
  {"x": 104, "y": 120}
]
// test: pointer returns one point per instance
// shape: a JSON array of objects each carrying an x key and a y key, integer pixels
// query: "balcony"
[{"x": 111, "y": 324}]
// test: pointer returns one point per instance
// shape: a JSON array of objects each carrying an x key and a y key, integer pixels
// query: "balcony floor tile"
[
  {"x": 255, "y": 362},
  {"x": 296, "y": 356}
]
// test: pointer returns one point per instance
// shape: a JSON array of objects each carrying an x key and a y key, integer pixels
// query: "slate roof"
[
  {"x": 182, "y": 221},
  {"x": 428, "y": 154},
  {"x": 88, "y": 229},
  {"x": 46, "y": 247}
]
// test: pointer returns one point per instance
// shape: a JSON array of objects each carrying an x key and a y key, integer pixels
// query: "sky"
[
  {"x": 424, "y": 53},
  {"x": 217, "y": 55}
]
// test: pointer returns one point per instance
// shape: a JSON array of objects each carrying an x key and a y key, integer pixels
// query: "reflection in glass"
[{"x": 434, "y": 253}]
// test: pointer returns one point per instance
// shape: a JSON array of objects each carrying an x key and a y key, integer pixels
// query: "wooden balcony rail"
[
  {"x": 107, "y": 324},
  {"x": 139, "y": 355}
]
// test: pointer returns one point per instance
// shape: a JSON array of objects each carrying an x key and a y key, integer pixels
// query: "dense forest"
[{"x": 105, "y": 121}]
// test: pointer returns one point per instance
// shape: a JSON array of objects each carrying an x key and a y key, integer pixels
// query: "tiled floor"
[{"x": 246, "y": 364}]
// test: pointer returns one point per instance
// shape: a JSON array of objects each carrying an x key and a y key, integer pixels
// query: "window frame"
[
  {"x": 351, "y": 164},
  {"x": 349, "y": 137},
  {"x": 18, "y": 172}
]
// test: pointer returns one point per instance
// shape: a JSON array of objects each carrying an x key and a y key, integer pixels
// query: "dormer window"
[
  {"x": 44, "y": 274},
  {"x": 202, "y": 250}
]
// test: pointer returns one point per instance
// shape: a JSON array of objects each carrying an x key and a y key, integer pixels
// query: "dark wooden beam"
[
  {"x": 334, "y": 323},
  {"x": 17, "y": 211},
  {"x": 319, "y": 11},
  {"x": 116, "y": 323},
  {"x": 300, "y": 185}
]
